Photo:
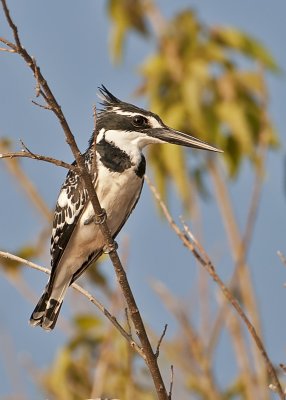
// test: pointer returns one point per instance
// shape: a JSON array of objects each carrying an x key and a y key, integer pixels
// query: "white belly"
[{"x": 117, "y": 194}]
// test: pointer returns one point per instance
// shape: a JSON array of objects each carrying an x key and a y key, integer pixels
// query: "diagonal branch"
[
  {"x": 51, "y": 101},
  {"x": 85, "y": 293},
  {"x": 190, "y": 241},
  {"x": 160, "y": 340}
]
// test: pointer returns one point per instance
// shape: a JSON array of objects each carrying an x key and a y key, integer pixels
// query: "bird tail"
[{"x": 47, "y": 310}]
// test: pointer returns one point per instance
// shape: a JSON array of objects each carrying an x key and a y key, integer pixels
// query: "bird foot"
[
  {"x": 97, "y": 219},
  {"x": 108, "y": 248}
]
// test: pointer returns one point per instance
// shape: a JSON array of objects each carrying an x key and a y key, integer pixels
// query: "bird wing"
[{"x": 70, "y": 205}]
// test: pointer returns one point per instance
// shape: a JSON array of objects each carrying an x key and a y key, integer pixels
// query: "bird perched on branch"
[{"x": 122, "y": 131}]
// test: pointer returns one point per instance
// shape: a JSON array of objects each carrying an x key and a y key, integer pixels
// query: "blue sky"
[{"x": 70, "y": 42}]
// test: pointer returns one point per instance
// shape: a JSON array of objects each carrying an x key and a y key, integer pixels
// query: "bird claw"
[
  {"x": 108, "y": 248},
  {"x": 97, "y": 219}
]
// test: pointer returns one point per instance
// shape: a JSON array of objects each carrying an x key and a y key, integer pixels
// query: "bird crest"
[{"x": 109, "y": 101}]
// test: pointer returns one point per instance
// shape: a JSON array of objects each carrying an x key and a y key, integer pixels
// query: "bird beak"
[{"x": 169, "y": 135}]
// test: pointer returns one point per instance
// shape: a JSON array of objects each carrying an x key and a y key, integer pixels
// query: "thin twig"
[
  {"x": 9, "y": 44},
  {"x": 11, "y": 24},
  {"x": 85, "y": 293},
  {"x": 25, "y": 148},
  {"x": 160, "y": 341},
  {"x": 41, "y": 105},
  {"x": 8, "y": 50},
  {"x": 26, "y": 154},
  {"x": 206, "y": 263},
  {"x": 171, "y": 383},
  {"x": 128, "y": 321},
  {"x": 94, "y": 134}
]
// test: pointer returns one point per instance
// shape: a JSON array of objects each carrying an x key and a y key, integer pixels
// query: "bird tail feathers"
[{"x": 47, "y": 310}]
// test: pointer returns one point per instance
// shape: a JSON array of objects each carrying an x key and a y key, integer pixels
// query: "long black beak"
[{"x": 169, "y": 135}]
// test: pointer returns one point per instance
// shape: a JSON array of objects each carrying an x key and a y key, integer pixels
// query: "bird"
[{"x": 122, "y": 132}]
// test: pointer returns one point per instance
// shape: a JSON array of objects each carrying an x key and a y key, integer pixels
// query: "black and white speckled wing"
[{"x": 70, "y": 205}]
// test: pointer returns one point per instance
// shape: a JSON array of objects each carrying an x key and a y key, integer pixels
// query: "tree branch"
[
  {"x": 171, "y": 383},
  {"x": 51, "y": 101},
  {"x": 190, "y": 241},
  {"x": 27, "y": 154},
  {"x": 85, "y": 293},
  {"x": 160, "y": 340}
]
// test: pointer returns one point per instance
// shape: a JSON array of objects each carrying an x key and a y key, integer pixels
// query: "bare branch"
[
  {"x": 27, "y": 154},
  {"x": 8, "y": 50},
  {"x": 128, "y": 321},
  {"x": 25, "y": 148},
  {"x": 11, "y": 24},
  {"x": 9, "y": 44},
  {"x": 94, "y": 134},
  {"x": 206, "y": 263},
  {"x": 171, "y": 383},
  {"x": 160, "y": 341},
  {"x": 41, "y": 105},
  {"x": 85, "y": 293}
]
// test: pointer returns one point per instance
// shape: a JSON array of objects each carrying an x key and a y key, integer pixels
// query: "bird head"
[{"x": 121, "y": 121}]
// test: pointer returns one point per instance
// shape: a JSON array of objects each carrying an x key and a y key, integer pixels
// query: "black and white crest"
[
  {"x": 108, "y": 99},
  {"x": 111, "y": 103}
]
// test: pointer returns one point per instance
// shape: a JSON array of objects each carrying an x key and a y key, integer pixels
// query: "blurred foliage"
[
  {"x": 126, "y": 15},
  {"x": 12, "y": 267},
  {"x": 94, "y": 353},
  {"x": 95, "y": 275},
  {"x": 208, "y": 82}
]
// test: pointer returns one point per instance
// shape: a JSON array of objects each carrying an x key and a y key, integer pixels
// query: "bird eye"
[{"x": 139, "y": 120}]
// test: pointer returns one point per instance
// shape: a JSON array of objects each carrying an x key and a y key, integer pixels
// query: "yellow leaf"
[{"x": 233, "y": 115}]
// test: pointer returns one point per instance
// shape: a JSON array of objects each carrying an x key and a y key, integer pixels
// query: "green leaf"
[
  {"x": 244, "y": 43},
  {"x": 232, "y": 155}
]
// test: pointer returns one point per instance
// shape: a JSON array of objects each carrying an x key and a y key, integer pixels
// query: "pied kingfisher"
[{"x": 123, "y": 130}]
